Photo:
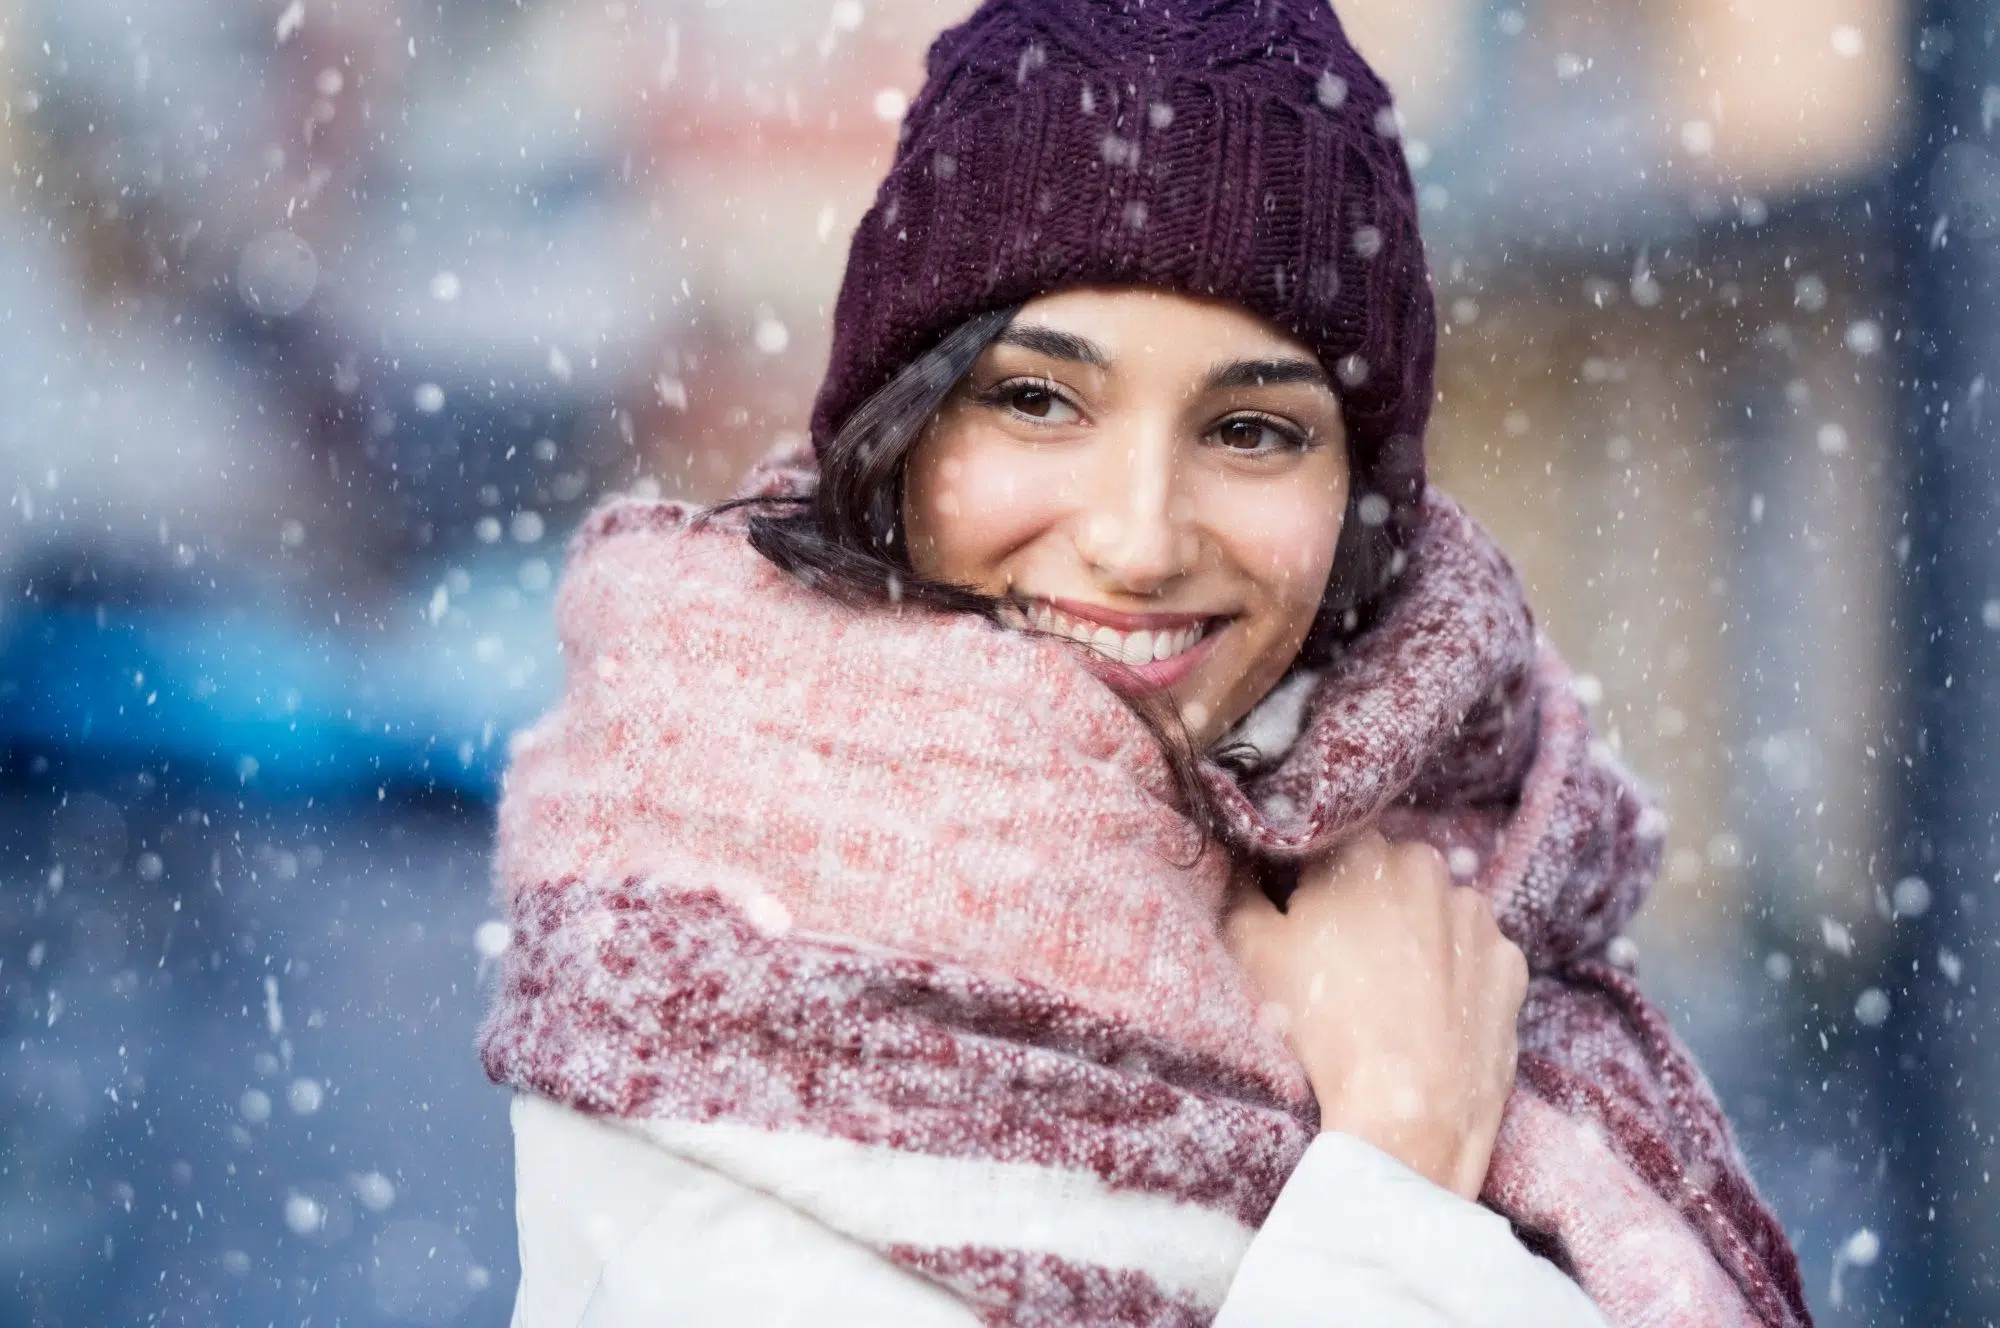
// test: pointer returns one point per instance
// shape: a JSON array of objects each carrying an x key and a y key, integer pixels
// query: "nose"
[{"x": 1136, "y": 535}]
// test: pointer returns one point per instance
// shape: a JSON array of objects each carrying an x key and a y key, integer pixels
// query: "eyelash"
[
  {"x": 1295, "y": 438},
  {"x": 1001, "y": 395}
]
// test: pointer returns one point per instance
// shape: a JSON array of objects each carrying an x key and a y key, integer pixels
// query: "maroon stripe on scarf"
[
  {"x": 1042, "y": 1291},
  {"x": 717, "y": 1020}
]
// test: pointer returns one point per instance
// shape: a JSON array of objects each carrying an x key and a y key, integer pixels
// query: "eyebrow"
[
  {"x": 1265, "y": 373},
  {"x": 1057, "y": 345},
  {"x": 1237, "y": 374}
]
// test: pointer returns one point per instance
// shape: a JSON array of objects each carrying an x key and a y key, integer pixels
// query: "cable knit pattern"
[{"x": 1228, "y": 149}]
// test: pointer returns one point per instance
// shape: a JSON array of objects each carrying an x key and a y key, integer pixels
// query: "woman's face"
[{"x": 1157, "y": 476}]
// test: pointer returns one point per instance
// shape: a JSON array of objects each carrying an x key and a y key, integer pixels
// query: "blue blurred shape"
[{"x": 255, "y": 699}]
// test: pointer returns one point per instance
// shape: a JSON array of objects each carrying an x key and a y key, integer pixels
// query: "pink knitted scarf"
[{"x": 896, "y": 916}]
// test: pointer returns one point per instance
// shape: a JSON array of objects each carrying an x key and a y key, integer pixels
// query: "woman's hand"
[{"x": 1398, "y": 993}]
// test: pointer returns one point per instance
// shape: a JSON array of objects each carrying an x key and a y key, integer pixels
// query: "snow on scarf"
[{"x": 894, "y": 916}]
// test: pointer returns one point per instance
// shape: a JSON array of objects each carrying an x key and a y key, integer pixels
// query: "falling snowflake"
[
  {"x": 305, "y": 1096},
  {"x": 304, "y": 1214},
  {"x": 891, "y": 104}
]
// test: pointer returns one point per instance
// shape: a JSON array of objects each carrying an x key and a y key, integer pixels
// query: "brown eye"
[
  {"x": 1033, "y": 400},
  {"x": 1038, "y": 402},
  {"x": 1243, "y": 434},
  {"x": 1254, "y": 436}
]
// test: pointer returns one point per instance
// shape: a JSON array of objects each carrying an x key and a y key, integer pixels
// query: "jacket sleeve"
[
  {"x": 617, "y": 1233},
  {"x": 1357, "y": 1238}
]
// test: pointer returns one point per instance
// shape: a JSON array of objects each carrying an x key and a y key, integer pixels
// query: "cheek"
[
  {"x": 971, "y": 502},
  {"x": 1284, "y": 543}
]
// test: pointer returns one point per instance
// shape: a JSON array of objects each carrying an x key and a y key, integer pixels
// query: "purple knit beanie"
[{"x": 1239, "y": 149}]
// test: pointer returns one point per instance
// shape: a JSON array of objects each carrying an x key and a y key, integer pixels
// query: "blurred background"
[{"x": 323, "y": 321}]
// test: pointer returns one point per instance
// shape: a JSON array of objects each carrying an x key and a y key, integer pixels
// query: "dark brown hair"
[{"x": 846, "y": 540}]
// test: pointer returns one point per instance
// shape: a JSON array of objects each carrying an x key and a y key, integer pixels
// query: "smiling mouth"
[{"x": 1153, "y": 643}]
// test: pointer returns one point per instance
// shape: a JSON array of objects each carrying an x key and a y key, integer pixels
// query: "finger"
[
  {"x": 1361, "y": 861},
  {"x": 1249, "y": 921},
  {"x": 1369, "y": 849},
  {"x": 1249, "y": 900},
  {"x": 1421, "y": 853},
  {"x": 1474, "y": 907},
  {"x": 1516, "y": 963},
  {"x": 1482, "y": 929},
  {"x": 1423, "y": 876},
  {"x": 1500, "y": 985},
  {"x": 1511, "y": 958}
]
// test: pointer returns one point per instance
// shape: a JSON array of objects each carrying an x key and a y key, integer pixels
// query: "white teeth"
[{"x": 1124, "y": 647}]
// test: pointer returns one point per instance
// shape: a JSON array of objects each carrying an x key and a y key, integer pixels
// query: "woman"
[{"x": 893, "y": 888}]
